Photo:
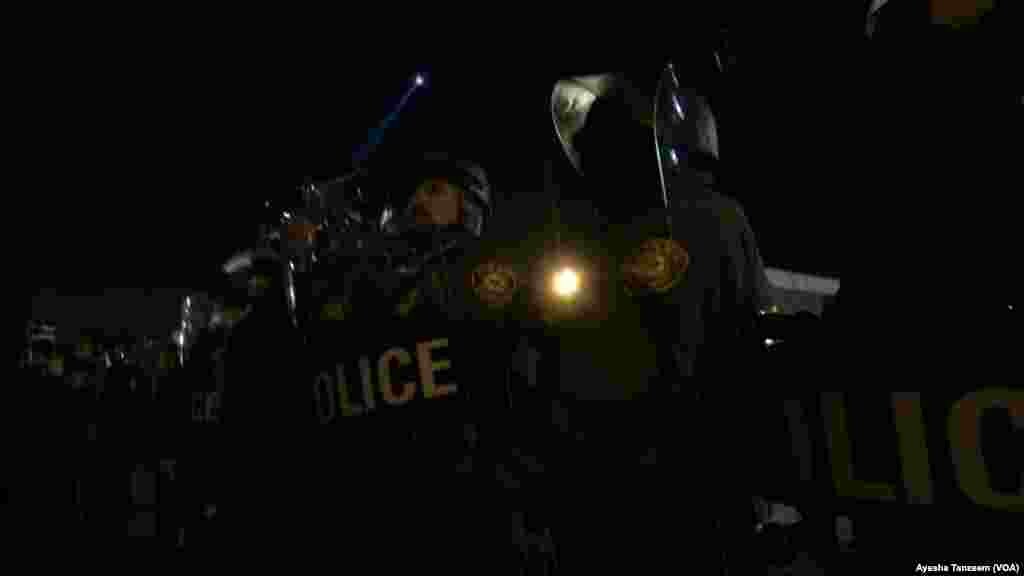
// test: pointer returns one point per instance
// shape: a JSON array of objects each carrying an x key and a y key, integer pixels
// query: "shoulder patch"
[
  {"x": 494, "y": 283},
  {"x": 657, "y": 265}
]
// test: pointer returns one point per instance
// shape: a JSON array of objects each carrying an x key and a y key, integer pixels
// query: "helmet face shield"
[
  {"x": 685, "y": 132},
  {"x": 609, "y": 125},
  {"x": 467, "y": 178}
]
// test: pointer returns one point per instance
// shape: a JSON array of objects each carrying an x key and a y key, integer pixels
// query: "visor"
[
  {"x": 682, "y": 129},
  {"x": 685, "y": 131},
  {"x": 470, "y": 178}
]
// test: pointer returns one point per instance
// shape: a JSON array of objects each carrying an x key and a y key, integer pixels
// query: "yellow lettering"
[
  {"x": 906, "y": 408},
  {"x": 384, "y": 370},
  {"x": 841, "y": 454},
  {"x": 348, "y": 408},
  {"x": 428, "y": 367},
  {"x": 965, "y": 442}
]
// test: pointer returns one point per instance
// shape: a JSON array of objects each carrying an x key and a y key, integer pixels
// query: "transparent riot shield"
[{"x": 685, "y": 135}]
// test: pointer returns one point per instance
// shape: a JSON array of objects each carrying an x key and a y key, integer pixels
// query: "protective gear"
[
  {"x": 706, "y": 264},
  {"x": 415, "y": 396},
  {"x": 477, "y": 205},
  {"x": 414, "y": 249},
  {"x": 607, "y": 125},
  {"x": 671, "y": 283},
  {"x": 424, "y": 318},
  {"x": 260, "y": 281},
  {"x": 197, "y": 392},
  {"x": 685, "y": 131},
  {"x": 234, "y": 337}
]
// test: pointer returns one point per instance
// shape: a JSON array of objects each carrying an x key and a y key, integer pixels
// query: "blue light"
[
  {"x": 377, "y": 134},
  {"x": 680, "y": 108}
]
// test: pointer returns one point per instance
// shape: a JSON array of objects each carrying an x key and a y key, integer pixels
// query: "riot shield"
[{"x": 685, "y": 135}]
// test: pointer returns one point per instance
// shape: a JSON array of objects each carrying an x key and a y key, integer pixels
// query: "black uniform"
[
  {"x": 640, "y": 364},
  {"x": 369, "y": 437},
  {"x": 402, "y": 425},
  {"x": 195, "y": 392}
]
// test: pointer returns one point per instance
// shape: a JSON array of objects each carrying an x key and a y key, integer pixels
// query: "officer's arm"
[
  {"x": 731, "y": 314},
  {"x": 744, "y": 284}
]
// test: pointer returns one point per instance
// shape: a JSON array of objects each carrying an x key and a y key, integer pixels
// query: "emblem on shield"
[
  {"x": 658, "y": 265},
  {"x": 494, "y": 283}
]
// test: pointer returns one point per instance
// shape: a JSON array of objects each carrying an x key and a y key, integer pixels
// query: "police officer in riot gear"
[
  {"x": 447, "y": 192},
  {"x": 369, "y": 420},
  {"x": 446, "y": 278},
  {"x": 656, "y": 285},
  {"x": 443, "y": 209},
  {"x": 238, "y": 343}
]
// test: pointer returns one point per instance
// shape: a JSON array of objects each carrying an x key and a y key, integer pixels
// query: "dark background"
[{"x": 149, "y": 150}]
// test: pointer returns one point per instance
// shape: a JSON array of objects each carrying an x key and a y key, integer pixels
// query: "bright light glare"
[
  {"x": 679, "y": 107},
  {"x": 566, "y": 283},
  {"x": 419, "y": 80}
]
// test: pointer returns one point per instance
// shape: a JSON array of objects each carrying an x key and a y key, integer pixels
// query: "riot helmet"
[
  {"x": 647, "y": 127},
  {"x": 467, "y": 177},
  {"x": 259, "y": 278}
]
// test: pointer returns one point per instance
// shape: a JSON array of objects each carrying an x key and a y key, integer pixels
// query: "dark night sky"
[
  {"x": 165, "y": 160},
  {"x": 148, "y": 163}
]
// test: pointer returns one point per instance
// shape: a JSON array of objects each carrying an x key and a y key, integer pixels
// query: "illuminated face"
[{"x": 436, "y": 202}]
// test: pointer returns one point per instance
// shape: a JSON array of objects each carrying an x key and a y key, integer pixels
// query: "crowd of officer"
[
  {"x": 551, "y": 402},
  {"x": 436, "y": 398}
]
